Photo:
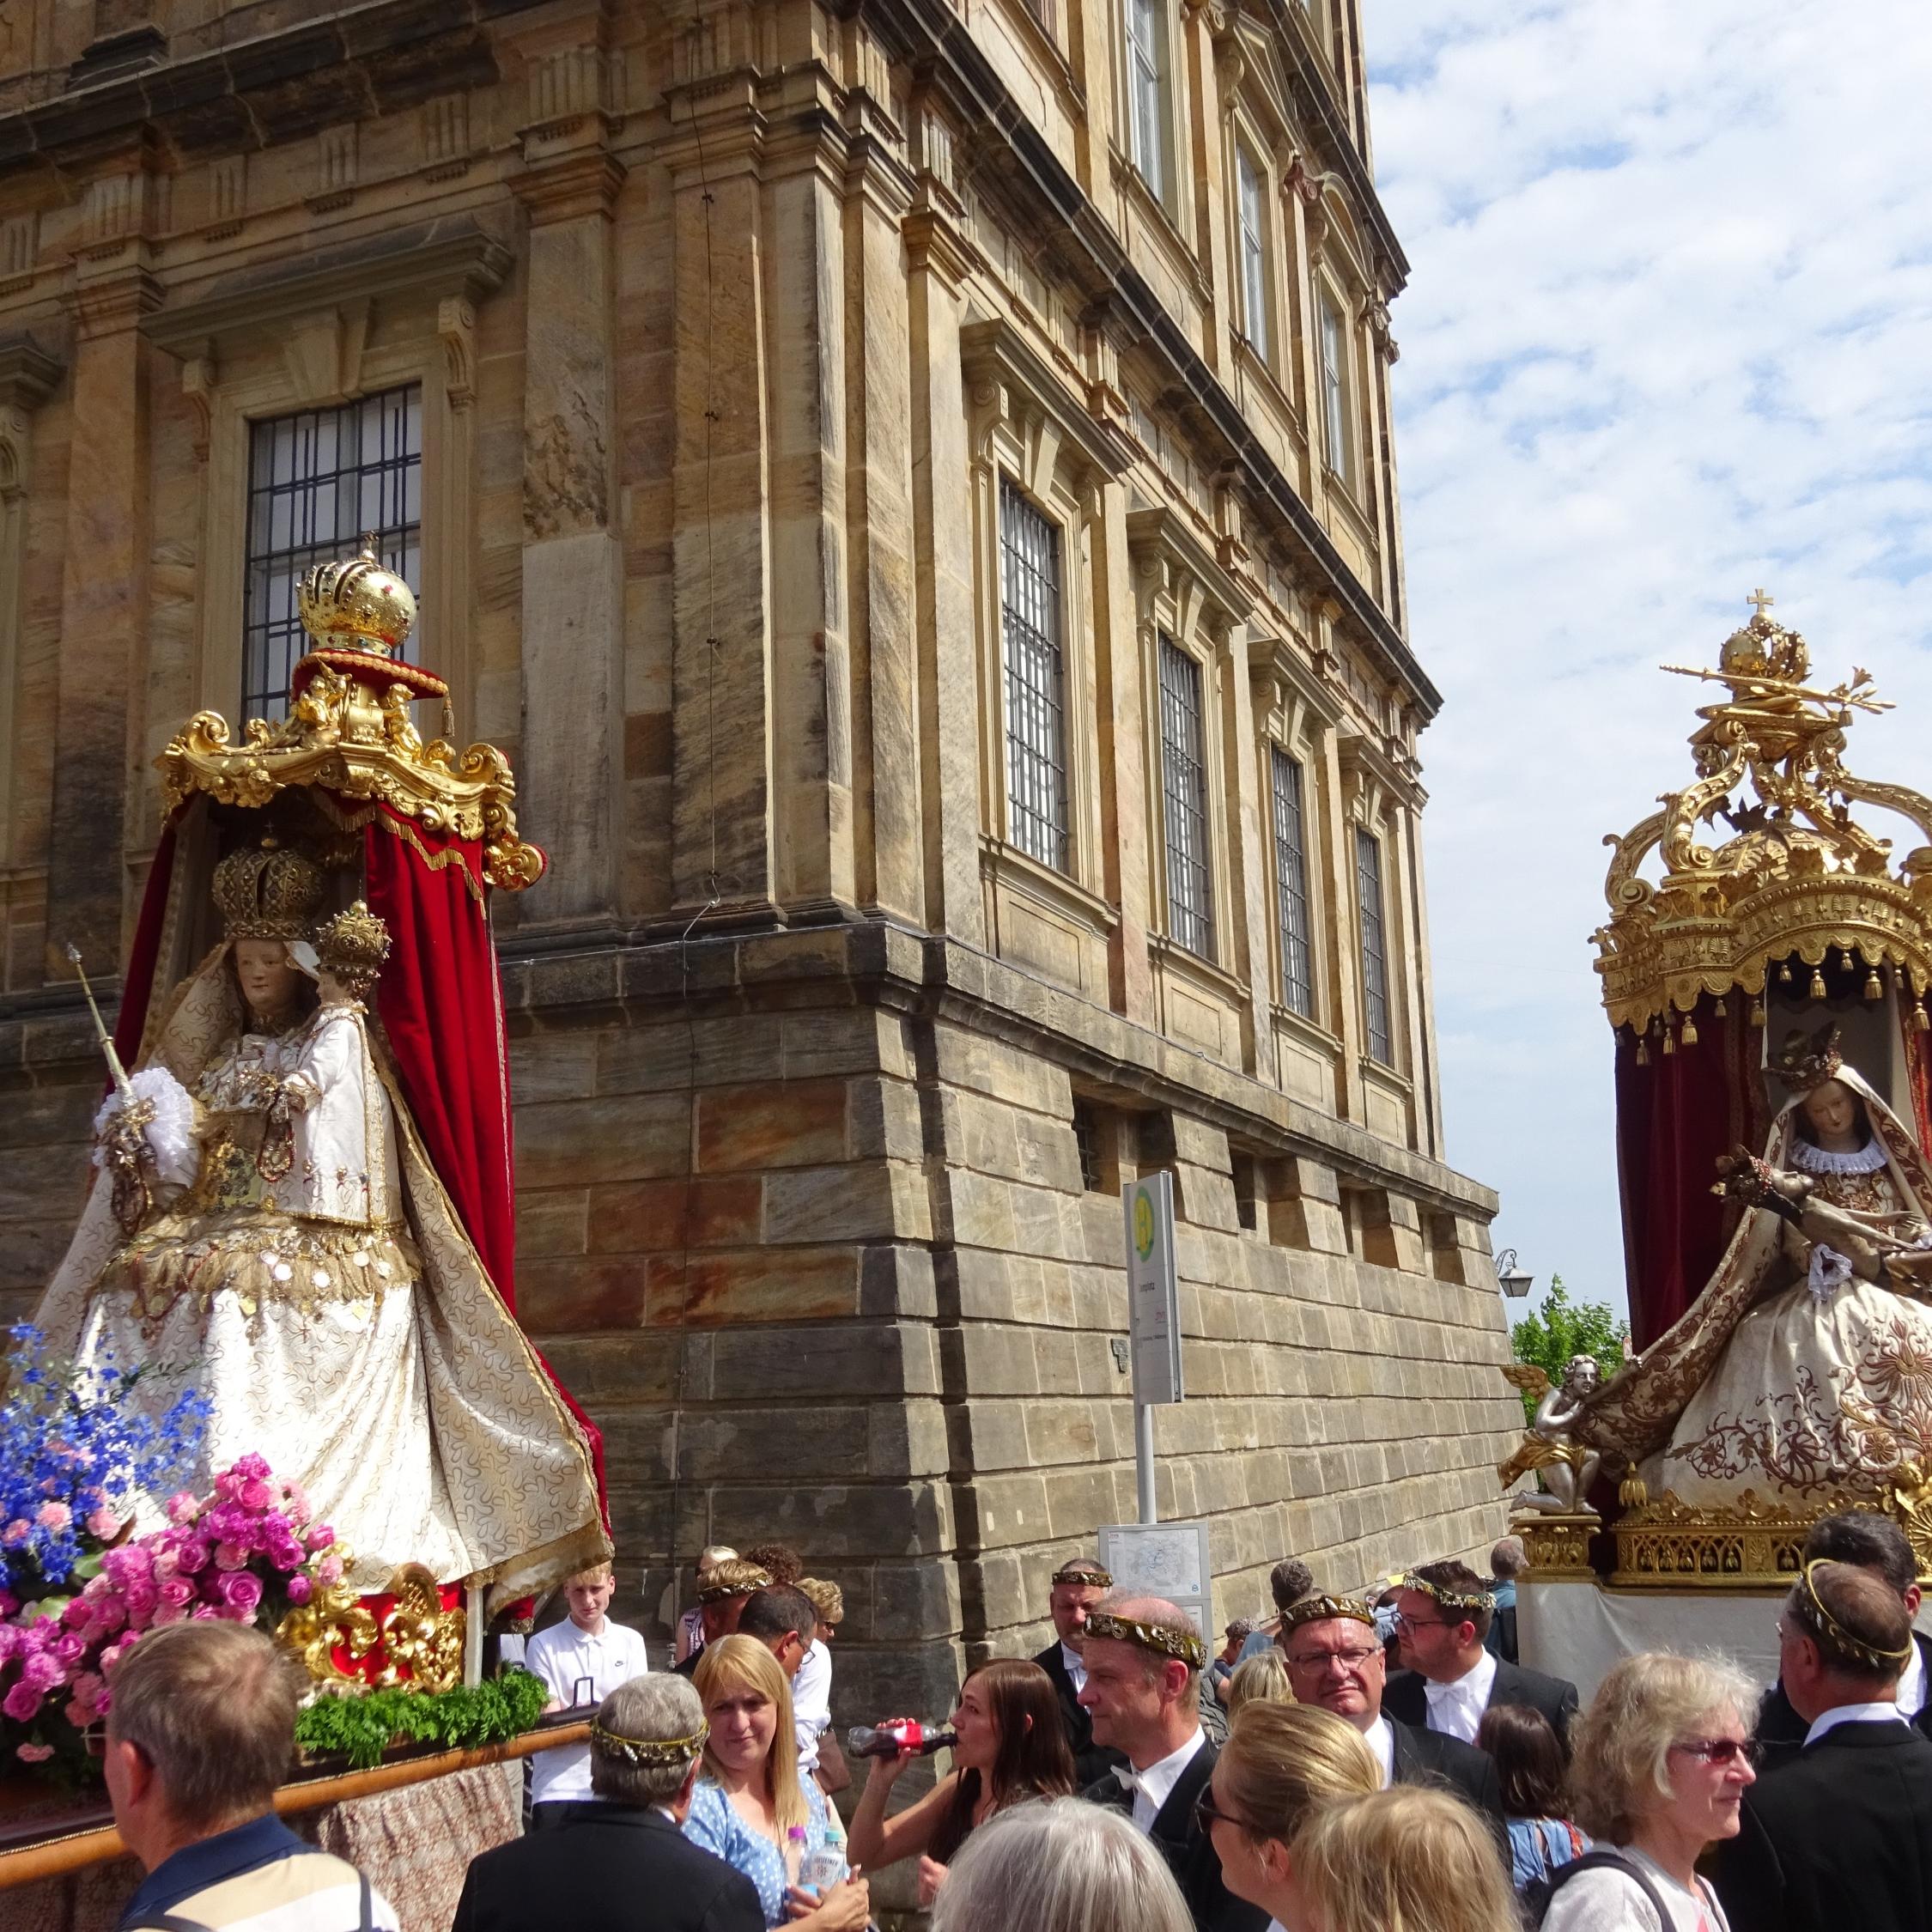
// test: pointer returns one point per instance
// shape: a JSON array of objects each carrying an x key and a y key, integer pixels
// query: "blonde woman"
[
  {"x": 1409, "y": 1859},
  {"x": 750, "y": 1808},
  {"x": 1262, "y": 1679},
  {"x": 1660, "y": 1765},
  {"x": 1281, "y": 1762}
]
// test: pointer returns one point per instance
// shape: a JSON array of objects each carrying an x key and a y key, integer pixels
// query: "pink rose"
[
  {"x": 79, "y": 1613},
  {"x": 53, "y": 1516},
  {"x": 109, "y": 1614},
  {"x": 70, "y": 1647},
  {"x": 182, "y": 1508},
  {"x": 34, "y": 1753},
  {"x": 204, "y": 1611},
  {"x": 85, "y": 1701},
  {"x": 21, "y": 1703},
  {"x": 253, "y": 1467},
  {"x": 300, "y": 1590},
  {"x": 320, "y": 1537},
  {"x": 41, "y": 1671},
  {"x": 177, "y": 1590},
  {"x": 230, "y": 1556},
  {"x": 257, "y": 1496},
  {"x": 104, "y": 1524},
  {"x": 241, "y": 1591},
  {"x": 193, "y": 1555},
  {"x": 17, "y": 1533},
  {"x": 329, "y": 1571}
]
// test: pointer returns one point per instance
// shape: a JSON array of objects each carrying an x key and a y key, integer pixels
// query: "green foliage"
[
  {"x": 362, "y": 1728},
  {"x": 1562, "y": 1328}
]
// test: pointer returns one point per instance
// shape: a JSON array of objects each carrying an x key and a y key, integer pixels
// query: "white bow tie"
[{"x": 1129, "y": 1777}]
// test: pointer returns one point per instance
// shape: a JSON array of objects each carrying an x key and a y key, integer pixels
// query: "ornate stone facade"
[{"x": 749, "y": 343}]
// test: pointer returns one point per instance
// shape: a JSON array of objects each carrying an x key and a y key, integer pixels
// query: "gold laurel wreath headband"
[
  {"x": 1832, "y": 1629},
  {"x": 1323, "y": 1608},
  {"x": 1091, "y": 1573},
  {"x": 1450, "y": 1600},
  {"x": 665, "y": 1752},
  {"x": 1181, "y": 1644},
  {"x": 722, "y": 1592}
]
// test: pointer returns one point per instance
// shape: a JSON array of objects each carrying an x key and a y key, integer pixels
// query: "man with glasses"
[
  {"x": 1838, "y": 1832},
  {"x": 1334, "y": 1660},
  {"x": 1442, "y": 1613},
  {"x": 1144, "y": 1659}
]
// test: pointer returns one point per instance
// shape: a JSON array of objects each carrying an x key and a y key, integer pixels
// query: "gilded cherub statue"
[{"x": 1567, "y": 1466}]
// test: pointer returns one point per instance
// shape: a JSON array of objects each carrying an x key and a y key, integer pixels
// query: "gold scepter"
[{"x": 117, "y": 1072}]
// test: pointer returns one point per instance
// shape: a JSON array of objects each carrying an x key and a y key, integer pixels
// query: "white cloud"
[{"x": 1668, "y": 336}]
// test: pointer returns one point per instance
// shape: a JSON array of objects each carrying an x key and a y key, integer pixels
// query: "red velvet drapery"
[
  {"x": 137, "y": 983},
  {"x": 1675, "y": 1117},
  {"x": 1919, "y": 1067},
  {"x": 441, "y": 1004}
]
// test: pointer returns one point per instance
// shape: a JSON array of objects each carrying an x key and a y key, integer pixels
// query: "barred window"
[
  {"x": 1334, "y": 389},
  {"x": 1146, "y": 38},
  {"x": 1254, "y": 253},
  {"x": 317, "y": 481},
  {"x": 1374, "y": 947},
  {"x": 1190, "y": 886},
  {"x": 1290, "y": 886},
  {"x": 1029, "y": 603}
]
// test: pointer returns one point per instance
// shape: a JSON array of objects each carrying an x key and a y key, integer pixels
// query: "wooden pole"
[{"x": 53, "y": 1857}]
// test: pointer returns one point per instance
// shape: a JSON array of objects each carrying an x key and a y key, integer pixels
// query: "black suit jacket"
[
  {"x": 1189, "y": 1850},
  {"x": 1407, "y": 1699},
  {"x": 1091, "y": 1761},
  {"x": 1836, "y": 1834},
  {"x": 607, "y": 1865},
  {"x": 1426, "y": 1756},
  {"x": 1781, "y": 1729}
]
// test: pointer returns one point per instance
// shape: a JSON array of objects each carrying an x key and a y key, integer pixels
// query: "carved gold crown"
[
  {"x": 1808, "y": 1059},
  {"x": 352, "y": 946},
  {"x": 1797, "y": 878},
  {"x": 267, "y": 892},
  {"x": 356, "y": 602}
]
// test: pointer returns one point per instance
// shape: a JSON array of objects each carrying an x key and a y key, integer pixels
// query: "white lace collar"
[{"x": 1869, "y": 1159}]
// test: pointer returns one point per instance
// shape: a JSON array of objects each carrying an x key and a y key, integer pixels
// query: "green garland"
[{"x": 360, "y": 1729}]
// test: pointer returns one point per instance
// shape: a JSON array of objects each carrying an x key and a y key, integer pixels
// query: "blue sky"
[{"x": 1667, "y": 337}]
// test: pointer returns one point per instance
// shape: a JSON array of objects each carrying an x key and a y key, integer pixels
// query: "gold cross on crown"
[{"x": 1761, "y": 601}]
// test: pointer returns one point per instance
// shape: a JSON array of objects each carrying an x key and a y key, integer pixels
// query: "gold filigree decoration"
[
  {"x": 1798, "y": 874},
  {"x": 333, "y": 1619},
  {"x": 1557, "y": 1546},
  {"x": 418, "y": 1641},
  {"x": 1754, "y": 1542},
  {"x": 349, "y": 732}
]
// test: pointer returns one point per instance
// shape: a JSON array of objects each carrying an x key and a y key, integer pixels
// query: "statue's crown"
[
  {"x": 1808, "y": 1060},
  {"x": 356, "y": 604},
  {"x": 352, "y": 947},
  {"x": 267, "y": 892}
]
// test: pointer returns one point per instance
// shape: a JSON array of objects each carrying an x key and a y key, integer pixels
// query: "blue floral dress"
[{"x": 716, "y": 1825}]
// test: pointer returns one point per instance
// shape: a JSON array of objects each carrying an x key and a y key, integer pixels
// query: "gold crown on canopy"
[
  {"x": 267, "y": 892},
  {"x": 1763, "y": 868},
  {"x": 352, "y": 946},
  {"x": 355, "y": 602}
]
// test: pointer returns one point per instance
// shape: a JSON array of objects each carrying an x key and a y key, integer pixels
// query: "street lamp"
[{"x": 1511, "y": 1278}]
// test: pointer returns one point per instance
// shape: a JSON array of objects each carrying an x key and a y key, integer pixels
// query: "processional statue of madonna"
[
  {"x": 1774, "y": 1093},
  {"x": 302, "y": 1198}
]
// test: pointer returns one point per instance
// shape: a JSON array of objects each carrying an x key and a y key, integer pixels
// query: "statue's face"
[
  {"x": 1831, "y": 1110},
  {"x": 1583, "y": 1375},
  {"x": 266, "y": 973}
]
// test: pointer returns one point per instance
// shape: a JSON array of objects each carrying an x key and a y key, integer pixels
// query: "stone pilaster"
[
  {"x": 572, "y": 764},
  {"x": 27, "y": 376}
]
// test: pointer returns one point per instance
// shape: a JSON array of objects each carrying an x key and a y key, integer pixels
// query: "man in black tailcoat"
[
  {"x": 1143, "y": 1660},
  {"x": 1442, "y": 1613},
  {"x": 1078, "y": 1586},
  {"x": 1837, "y": 1833}
]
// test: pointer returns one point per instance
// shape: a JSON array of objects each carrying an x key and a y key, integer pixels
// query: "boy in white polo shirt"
[{"x": 579, "y": 1661}]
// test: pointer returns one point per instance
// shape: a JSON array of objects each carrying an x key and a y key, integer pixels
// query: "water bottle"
[
  {"x": 908, "y": 1737},
  {"x": 822, "y": 1868}
]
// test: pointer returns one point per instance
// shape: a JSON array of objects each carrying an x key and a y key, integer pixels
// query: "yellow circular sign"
[{"x": 1143, "y": 1224}]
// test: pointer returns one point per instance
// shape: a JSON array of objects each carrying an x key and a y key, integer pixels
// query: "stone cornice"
[
  {"x": 996, "y": 350},
  {"x": 456, "y": 256},
  {"x": 27, "y": 373},
  {"x": 1164, "y": 532},
  {"x": 561, "y": 187},
  {"x": 938, "y": 43}
]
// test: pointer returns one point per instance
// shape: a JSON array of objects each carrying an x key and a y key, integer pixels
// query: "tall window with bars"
[
  {"x": 1147, "y": 63},
  {"x": 1031, "y": 642},
  {"x": 1190, "y": 880},
  {"x": 1291, "y": 887},
  {"x": 1374, "y": 947},
  {"x": 1249, "y": 196},
  {"x": 317, "y": 481},
  {"x": 1335, "y": 388}
]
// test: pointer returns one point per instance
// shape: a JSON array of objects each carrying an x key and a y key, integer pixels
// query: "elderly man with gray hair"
[
  {"x": 623, "y": 1853},
  {"x": 201, "y": 1731}
]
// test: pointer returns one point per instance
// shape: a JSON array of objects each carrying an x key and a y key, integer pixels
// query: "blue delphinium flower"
[{"x": 73, "y": 1453}]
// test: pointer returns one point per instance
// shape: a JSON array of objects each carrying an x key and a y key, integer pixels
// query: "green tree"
[{"x": 1562, "y": 1328}]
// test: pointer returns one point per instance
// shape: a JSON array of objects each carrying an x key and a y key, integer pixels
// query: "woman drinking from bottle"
[
  {"x": 750, "y": 1808},
  {"x": 1010, "y": 1745}
]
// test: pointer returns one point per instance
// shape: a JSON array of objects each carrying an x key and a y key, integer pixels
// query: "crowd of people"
[{"x": 1367, "y": 1761}]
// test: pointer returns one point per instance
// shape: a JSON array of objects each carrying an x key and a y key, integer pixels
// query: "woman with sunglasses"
[
  {"x": 1662, "y": 1759},
  {"x": 1281, "y": 1764}
]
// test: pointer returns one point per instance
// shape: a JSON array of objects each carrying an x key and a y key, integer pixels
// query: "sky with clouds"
[{"x": 1667, "y": 337}]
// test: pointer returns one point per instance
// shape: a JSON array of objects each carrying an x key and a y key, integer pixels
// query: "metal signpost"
[{"x": 1154, "y": 1317}]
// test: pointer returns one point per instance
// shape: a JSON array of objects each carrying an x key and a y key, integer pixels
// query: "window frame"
[
  {"x": 1287, "y": 892},
  {"x": 1373, "y": 952},
  {"x": 1253, "y": 252},
  {"x": 1009, "y": 493},
  {"x": 1192, "y": 922},
  {"x": 1335, "y": 374},
  {"x": 1147, "y": 72}
]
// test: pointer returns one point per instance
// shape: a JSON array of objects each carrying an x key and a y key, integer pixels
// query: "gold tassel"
[
  {"x": 449, "y": 719},
  {"x": 1757, "y": 1012},
  {"x": 1717, "y": 1011},
  {"x": 1784, "y": 973},
  {"x": 1920, "y": 1023},
  {"x": 1817, "y": 984},
  {"x": 1643, "y": 1047},
  {"x": 1669, "y": 1041},
  {"x": 1689, "y": 1031},
  {"x": 1872, "y": 989}
]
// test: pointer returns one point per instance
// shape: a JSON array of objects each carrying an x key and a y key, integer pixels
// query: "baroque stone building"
[{"x": 911, "y": 486}]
